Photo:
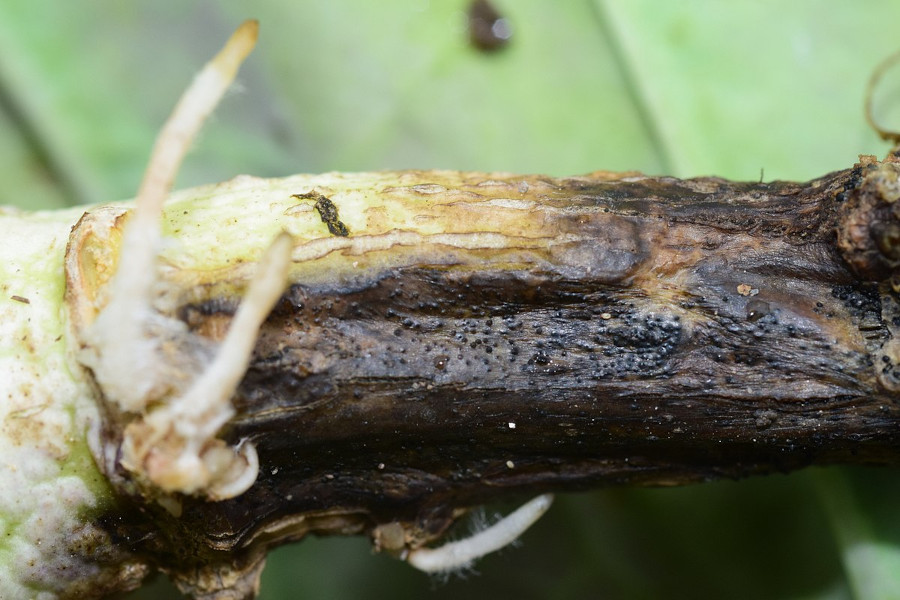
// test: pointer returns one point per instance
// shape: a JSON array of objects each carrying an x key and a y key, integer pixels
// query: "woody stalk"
[{"x": 193, "y": 378}]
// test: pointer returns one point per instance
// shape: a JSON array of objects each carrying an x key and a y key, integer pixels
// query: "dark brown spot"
[
  {"x": 757, "y": 309},
  {"x": 488, "y": 29},
  {"x": 328, "y": 212}
]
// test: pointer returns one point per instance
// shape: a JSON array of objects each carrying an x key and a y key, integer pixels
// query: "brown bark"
[{"x": 691, "y": 330}]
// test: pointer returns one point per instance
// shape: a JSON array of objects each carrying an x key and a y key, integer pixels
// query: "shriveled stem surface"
[{"x": 476, "y": 336}]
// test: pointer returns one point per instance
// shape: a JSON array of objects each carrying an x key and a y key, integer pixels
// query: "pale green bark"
[{"x": 50, "y": 487}]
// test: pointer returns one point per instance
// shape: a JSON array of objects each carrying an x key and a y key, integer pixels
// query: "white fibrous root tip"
[
  {"x": 144, "y": 360},
  {"x": 236, "y": 49},
  {"x": 462, "y": 553},
  {"x": 241, "y": 475}
]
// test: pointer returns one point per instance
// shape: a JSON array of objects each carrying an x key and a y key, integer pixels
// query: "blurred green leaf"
[
  {"x": 739, "y": 89},
  {"x": 871, "y": 558}
]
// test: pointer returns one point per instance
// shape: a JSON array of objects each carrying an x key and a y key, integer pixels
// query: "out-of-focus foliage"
[{"x": 739, "y": 89}]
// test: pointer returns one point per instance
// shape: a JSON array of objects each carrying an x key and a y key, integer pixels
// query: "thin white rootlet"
[{"x": 461, "y": 553}]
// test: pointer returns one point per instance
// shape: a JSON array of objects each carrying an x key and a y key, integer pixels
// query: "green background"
[{"x": 741, "y": 89}]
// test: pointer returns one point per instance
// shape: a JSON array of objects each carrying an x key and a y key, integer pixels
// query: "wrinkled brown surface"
[{"x": 693, "y": 330}]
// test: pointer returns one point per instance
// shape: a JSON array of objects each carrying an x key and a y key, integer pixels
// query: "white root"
[
  {"x": 120, "y": 329},
  {"x": 136, "y": 353},
  {"x": 189, "y": 422},
  {"x": 460, "y": 554}
]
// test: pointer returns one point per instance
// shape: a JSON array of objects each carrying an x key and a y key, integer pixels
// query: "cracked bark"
[{"x": 529, "y": 334}]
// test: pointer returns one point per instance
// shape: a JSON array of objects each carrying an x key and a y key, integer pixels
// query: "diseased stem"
[
  {"x": 479, "y": 336},
  {"x": 447, "y": 339}
]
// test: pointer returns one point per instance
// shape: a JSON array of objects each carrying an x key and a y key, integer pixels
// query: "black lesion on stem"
[{"x": 408, "y": 392}]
